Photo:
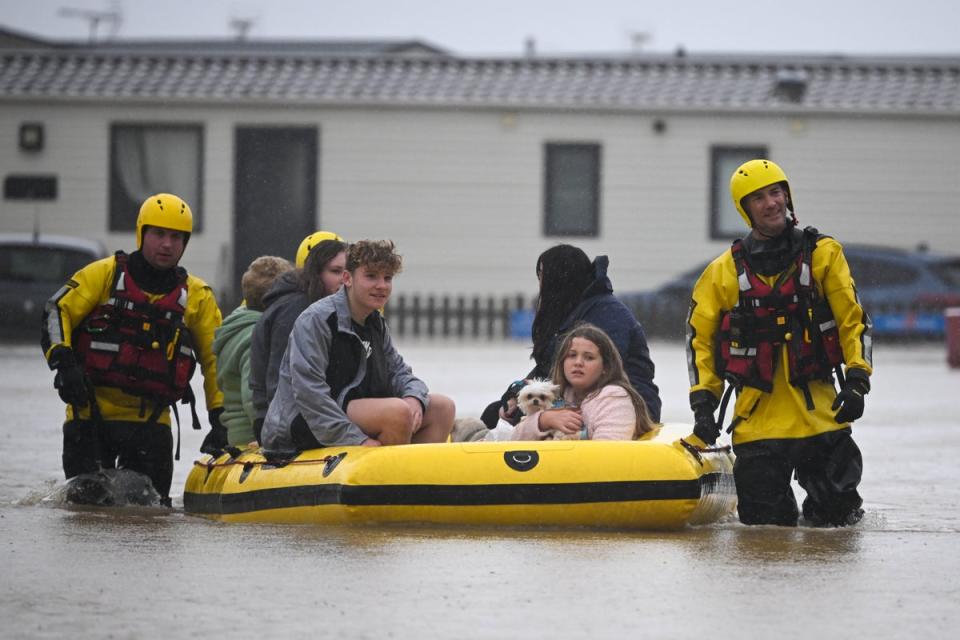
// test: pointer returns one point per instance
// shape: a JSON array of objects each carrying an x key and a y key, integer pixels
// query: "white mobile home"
[{"x": 473, "y": 166}]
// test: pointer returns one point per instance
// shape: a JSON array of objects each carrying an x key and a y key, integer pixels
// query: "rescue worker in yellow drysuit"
[
  {"x": 124, "y": 335},
  {"x": 775, "y": 317}
]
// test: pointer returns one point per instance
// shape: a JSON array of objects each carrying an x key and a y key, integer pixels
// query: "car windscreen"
[
  {"x": 38, "y": 263},
  {"x": 949, "y": 272}
]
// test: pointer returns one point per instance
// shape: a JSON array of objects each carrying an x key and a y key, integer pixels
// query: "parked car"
[
  {"x": 905, "y": 293},
  {"x": 32, "y": 268}
]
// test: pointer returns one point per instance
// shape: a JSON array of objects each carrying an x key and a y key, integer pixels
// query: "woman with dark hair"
[
  {"x": 294, "y": 291},
  {"x": 573, "y": 290}
]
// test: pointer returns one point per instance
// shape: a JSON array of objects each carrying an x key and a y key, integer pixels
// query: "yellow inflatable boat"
[{"x": 653, "y": 483}]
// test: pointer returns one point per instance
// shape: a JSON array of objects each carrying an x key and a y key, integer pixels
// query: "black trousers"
[
  {"x": 146, "y": 448},
  {"x": 827, "y": 466}
]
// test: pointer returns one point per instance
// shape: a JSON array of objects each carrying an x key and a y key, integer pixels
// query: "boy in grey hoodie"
[{"x": 341, "y": 380}]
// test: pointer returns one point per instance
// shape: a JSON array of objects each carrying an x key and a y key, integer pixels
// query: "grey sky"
[{"x": 478, "y": 27}]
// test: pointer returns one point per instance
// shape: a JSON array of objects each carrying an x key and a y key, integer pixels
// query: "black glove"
[
  {"x": 513, "y": 416},
  {"x": 216, "y": 440},
  {"x": 70, "y": 381},
  {"x": 705, "y": 425},
  {"x": 850, "y": 399},
  {"x": 491, "y": 415}
]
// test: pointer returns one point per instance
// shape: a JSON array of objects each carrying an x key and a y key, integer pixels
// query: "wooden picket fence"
[{"x": 458, "y": 316}]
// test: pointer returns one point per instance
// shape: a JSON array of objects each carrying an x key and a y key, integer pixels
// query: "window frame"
[
  {"x": 550, "y": 224},
  {"x": 116, "y": 209},
  {"x": 720, "y": 192}
]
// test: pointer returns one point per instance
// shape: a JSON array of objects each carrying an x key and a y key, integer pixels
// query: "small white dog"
[
  {"x": 537, "y": 395},
  {"x": 540, "y": 395}
]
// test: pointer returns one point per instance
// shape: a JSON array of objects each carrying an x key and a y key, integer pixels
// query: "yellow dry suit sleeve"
[
  {"x": 715, "y": 292},
  {"x": 202, "y": 318},
  {"x": 74, "y": 301},
  {"x": 831, "y": 270}
]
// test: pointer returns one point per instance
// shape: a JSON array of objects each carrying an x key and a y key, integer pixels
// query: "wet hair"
[
  {"x": 613, "y": 372},
  {"x": 258, "y": 278},
  {"x": 317, "y": 260},
  {"x": 565, "y": 272},
  {"x": 380, "y": 255}
]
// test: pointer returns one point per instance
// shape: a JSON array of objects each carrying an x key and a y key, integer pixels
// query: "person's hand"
[
  {"x": 511, "y": 412},
  {"x": 850, "y": 399},
  {"x": 216, "y": 439},
  {"x": 417, "y": 409},
  {"x": 567, "y": 421},
  {"x": 705, "y": 426},
  {"x": 70, "y": 382},
  {"x": 370, "y": 442}
]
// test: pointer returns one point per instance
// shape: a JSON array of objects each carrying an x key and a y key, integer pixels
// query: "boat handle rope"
[
  {"x": 697, "y": 451},
  {"x": 259, "y": 463}
]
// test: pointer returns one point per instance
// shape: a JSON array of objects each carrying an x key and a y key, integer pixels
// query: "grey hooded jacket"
[{"x": 302, "y": 387}]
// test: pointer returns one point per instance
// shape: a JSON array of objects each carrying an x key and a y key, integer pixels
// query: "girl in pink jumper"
[{"x": 599, "y": 402}]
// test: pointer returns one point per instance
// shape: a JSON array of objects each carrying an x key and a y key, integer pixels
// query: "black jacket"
[
  {"x": 283, "y": 304},
  {"x": 600, "y": 307}
]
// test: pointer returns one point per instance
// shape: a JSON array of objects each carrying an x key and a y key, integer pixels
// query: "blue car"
[{"x": 905, "y": 293}]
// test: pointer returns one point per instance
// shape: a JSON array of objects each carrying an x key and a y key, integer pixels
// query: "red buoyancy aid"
[
  {"x": 791, "y": 311},
  {"x": 140, "y": 347}
]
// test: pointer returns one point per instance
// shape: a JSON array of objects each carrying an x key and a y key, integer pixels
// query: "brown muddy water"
[{"x": 153, "y": 573}]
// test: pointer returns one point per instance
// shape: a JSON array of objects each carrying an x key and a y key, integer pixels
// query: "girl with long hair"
[{"x": 598, "y": 401}]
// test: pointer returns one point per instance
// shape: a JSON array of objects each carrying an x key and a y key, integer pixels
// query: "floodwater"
[{"x": 152, "y": 573}]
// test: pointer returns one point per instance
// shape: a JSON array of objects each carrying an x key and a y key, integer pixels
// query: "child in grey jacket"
[{"x": 341, "y": 380}]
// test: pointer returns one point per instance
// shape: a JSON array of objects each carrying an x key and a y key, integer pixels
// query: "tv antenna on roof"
[
  {"x": 112, "y": 16},
  {"x": 241, "y": 26},
  {"x": 639, "y": 40}
]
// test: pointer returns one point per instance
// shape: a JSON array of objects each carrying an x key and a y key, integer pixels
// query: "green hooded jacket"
[{"x": 231, "y": 345}]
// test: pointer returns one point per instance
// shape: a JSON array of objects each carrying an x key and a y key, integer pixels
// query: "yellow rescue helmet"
[
  {"x": 310, "y": 242},
  {"x": 753, "y": 175},
  {"x": 164, "y": 210}
]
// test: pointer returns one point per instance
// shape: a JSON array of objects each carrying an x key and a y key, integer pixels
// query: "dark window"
[
  {"x": 725, "y": 221},
  {"x": 30, "y": 188},
  {"x": 571, "y": 190},
  {"x": 154, "y": 158}
]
